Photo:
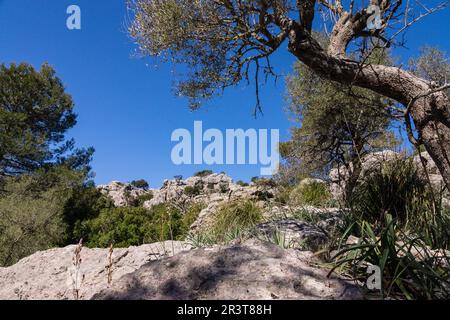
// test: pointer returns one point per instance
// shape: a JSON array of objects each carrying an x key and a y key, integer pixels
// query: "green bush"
[
  {"x": 122, "y": 226},
  {"x": 135, "y": 226},
  {"x": 32, "y": 212},
  {"x": 203, "y": 173},
  {"x": 242, "y": 183},
  {"x": 141, "y": 184},
  {"x": 85, "y": 203},
  {"x": 140, "y": 200},
  {"x": 190, "y": 216},
  {"x": 393, "y": 187},
  {"x": 314, "y": 194},
  {"x": 402, "y": 228}
]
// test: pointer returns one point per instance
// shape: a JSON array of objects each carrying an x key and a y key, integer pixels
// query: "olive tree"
[
  {"x": 334, "y": 128},
  {"x": 223, "y": 42}
]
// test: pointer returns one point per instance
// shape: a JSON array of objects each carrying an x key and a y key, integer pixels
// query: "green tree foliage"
[
  {"x": 203, "y": 173},
  {"x": 432, "y": 64},
  {"x": 140, "y": 200},
  {"x": 219, "y": 43},
  {"x": 44, "y": 187},
  {"x": 85, "y": 202},
  {"x": 337, "y": 126},
  {"x": 141, "y": 184},
  {"x": 32, "y": 212},
  {"x": 35, "y": 113}
]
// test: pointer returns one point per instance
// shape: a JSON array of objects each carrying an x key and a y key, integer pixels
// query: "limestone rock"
[
  {"x": 46, "y": 274},
  {"x": 284, "y": 222},
  {"x": 338, "y": 176},
  {"x": 251, "y": 270},
  {"x": 212, "y": 190},
  {"x": 309, "y": 181},
  {"x": 427, "y": 166},
  {"x": 193, "y": 189},
  {"x": 122, "y": 193},
  {"x": 294, "y": 234}
]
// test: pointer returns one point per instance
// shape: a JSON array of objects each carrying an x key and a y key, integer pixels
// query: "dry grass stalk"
[
  {"x": 110, "y": 263},
  {"x": 77, "y": 277}
]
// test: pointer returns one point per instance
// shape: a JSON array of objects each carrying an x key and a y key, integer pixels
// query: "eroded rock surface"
[
  {"x": 122, "y": 194},
  {"x": 47, "y": 274},
  {"x": 251, "y": 270}
]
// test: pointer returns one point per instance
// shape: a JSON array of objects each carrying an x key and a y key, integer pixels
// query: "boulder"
[
  {"x": 311, "y": 234},
  {"x": 309, "y": 181},
  {"x": 293, "y": 234},
  {"x": 250, "y": 270},
  {"x": 47, "y": 274},
  {"x": 338, "y": 176},
  {"x": 429, "y": 169}
]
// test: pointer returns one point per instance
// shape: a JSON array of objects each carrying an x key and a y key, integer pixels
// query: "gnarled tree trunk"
[{"x": 429, "y": 110}]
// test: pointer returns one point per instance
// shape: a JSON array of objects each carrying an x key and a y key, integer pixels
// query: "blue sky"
[{"x": 126, "y": 106}]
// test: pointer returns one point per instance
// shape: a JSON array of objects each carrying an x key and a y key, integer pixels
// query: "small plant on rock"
[{"x": 203, "y": 173}]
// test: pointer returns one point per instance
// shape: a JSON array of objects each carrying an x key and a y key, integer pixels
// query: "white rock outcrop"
[
  {"x": 338, "y": 176},
  {"x": 47, "y": 274},
  {"x": 122, "y": 193},
  {"x": 212, "y": 191},
  {"x": 429, "y": 169},
  {"x": 173, "y": 270},
  {"x": 250, "y": 270}
]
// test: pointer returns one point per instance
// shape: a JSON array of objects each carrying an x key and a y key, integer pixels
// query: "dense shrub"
[
  {"x": 141, "y": 184},
  {"x": 85, "y": 203},
  {"x": 122, "y": 226},
  {"x": 189, "y": 217},
  {"x": 402, "y": 227},
  {"x": 203, "y": 173},
  {"x": 242, "y": 183},
  {"x": 140, "y": 200},
  {"x": 314, "y": 194},
  {"x": 32, "y": 208},
  {"x": 393, "y": 187},
  {"x": 135, "y": 226}
]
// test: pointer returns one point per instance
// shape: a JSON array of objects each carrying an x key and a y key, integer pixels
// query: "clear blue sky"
[{"x": 126, "y": 107}]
